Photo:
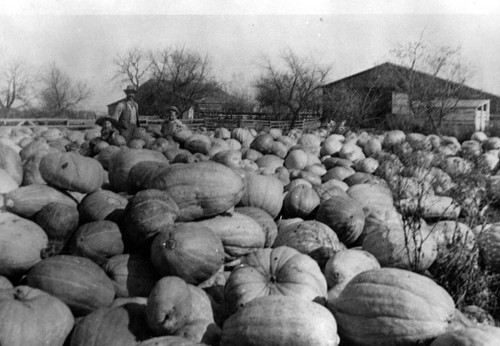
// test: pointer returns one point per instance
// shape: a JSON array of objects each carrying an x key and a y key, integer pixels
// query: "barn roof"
[{"x": 378, "y": 73}]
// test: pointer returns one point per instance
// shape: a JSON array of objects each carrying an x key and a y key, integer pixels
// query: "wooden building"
[{"x": 474, "y": 108}]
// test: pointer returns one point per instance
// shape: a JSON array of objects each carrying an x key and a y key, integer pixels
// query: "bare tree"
[
  {"x": 238, "y": 96},
  {"x": 133, "y": 67},
  {"x": 16, "y": 89},
  {"x": 433, "y": 79},
  {"x": 293, "y": 89},
  {"x": 179, "y": 77},
  {"x": 60, "y": 93}
]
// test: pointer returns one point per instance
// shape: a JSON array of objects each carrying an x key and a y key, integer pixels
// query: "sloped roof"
[{"x": 381, "y": 70}]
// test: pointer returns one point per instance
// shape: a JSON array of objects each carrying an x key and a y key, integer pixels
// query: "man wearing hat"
[
  {"x": 172, "y": 124},
  {"x": 127, "y": 113}
]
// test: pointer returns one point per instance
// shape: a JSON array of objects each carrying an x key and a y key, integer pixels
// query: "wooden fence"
[{"x": 155, "y": 122}]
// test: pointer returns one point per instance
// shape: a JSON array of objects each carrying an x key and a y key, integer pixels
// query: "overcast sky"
[{"x": 82, "y": 37}]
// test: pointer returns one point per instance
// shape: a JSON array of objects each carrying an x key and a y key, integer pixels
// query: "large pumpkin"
[
  {"x": 123, "y": 325},
  {"x": 59, "y": 221},
  {"x": 26, "y": 201},
  {"x": 102, "y": 205},
  {"x": 313, "y": 238},
  {"x": 97, "y": 240},
  {"x": 470, "y": 336},
  {"x": 31, "y": 317},
  {"x": 200, "y": 189},
  {"x": 21, "y": 244},
  {"x": 190, "y": 251},
  {"x": 391, "y": 306},
  {"x": 280, "y": 321},
  {"x": 133, "y": 275},
  {"x": 77, "y": 281},
  {"x": 11, "y": 162},
  {"x": 301, "y": 201},
  {"x": 240, "y": 234},
  {"x": 489, "y": 247},
  {"x": 264, "y": 219},
  {"x": 262, "y": 191},
  {"x": 148, "y": 212},
  {"x": 72, "y": 171},
  {"x": 124, "y": 160},
  {"x": 345, "y": 216},
  {"x": 279, "y": 271}
]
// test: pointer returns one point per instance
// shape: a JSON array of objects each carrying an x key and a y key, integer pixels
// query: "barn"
[{"x": 473, "y": 109}]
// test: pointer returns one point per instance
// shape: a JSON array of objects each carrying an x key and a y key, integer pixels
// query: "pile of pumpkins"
[{"x": 236, "y": 238}]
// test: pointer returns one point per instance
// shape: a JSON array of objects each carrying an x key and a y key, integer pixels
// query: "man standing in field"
[{"x": 127, "y": 113}]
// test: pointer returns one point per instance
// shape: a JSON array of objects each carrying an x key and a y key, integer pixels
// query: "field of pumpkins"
[{"x": 240, "y": 237}]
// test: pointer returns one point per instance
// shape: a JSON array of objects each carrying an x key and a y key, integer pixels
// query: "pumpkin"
[
  {"x": 21, "y": 244},
  {"x": 252, "y": 155},
  {"x": 392, "y": 138},
  {"x": 132, "y": 274},
  {"x": 338, "y": 173},
  {"x": 279, "y": 271},
  {"x": 301, "y": 201},
  {"x": 450, "y": 234},
  {"x": 31, "y": 317},
  {"x": 198, "y": 143},
  {"x": 106, "y": 155},
  {"x": 265, "y": 192},
  {"x": 230, "y": 158},
  {"x": 141, "y": 172},
  {"x": 392, "y": 306},
  {"x": 28, "y": 200},
  {"x": 240, "y": 234},
  {"x": 58, "y": 221},
  {"x": 200, "y": 189},
  {"x": 263, "y": 143},
  {"x": 7, "y": 182},
  {"x": 33, "y": 148},
  {"x": 188, "y": 250},
  {"x": 97, "y": 240},
  {"x": 77, "y": 281},
  {"x": 5, "y": 283},
  {"x": 431, "y": 207},
  {"x": 268, "y": 164},
  {"x": 370, "y": 195},
  {"x": 310, "y": 237},
  {"x": 372, "y": 147},
  {"x": 147, "y": 213},
  {"x": 344, "y": 215},
  {"x": 400, "y": 245},
  {"x": 300, "y": 323},
  {"x": 477, "y": 336},
  {"x": 72, "y": 171},
  {"x": 345, "y": 265},
  {"x": 329, "y": 189},
  {"x": 123, "y": 325},
  {"x": 243, "y": 136},
  {"x": 263, "y": 219},
  {"x": 102, "y": 205},
  {"x": 296, "y": 159},
  {"x": 124, "y": 160},
  {"x": 489, "y": 244},
  {"x": 330, "y": 146},
  {"x": 11, "y": 162}
]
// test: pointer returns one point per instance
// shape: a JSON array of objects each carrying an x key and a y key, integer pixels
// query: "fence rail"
[{"x": 193, "y": 124}]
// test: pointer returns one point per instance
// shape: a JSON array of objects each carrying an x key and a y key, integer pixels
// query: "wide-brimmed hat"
[
  {"x": 130, "y": 89},
  {"x": 100, "y": 121},
  {"x": 173, "y": 108}
]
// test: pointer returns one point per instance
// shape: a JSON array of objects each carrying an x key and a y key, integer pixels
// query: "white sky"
[{"x": 83, "y": 36}]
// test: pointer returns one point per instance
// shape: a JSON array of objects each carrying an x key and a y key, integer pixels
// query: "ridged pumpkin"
[
  {"x": 102, "y": 205},
  {"x": 301, "y": 201},
  {"x": 148, "y": 212},
  {"x": 133, "y": 275},
  {"x": 7, "y": 183},
  {"x": 345, "y": 216},
  {"x": 169, "y": 340},
  {"x": 123, "y": 325},
  {"x": 190, "y": 251},
  {"x": 72, "y": 171},
  {"x": 312, "y": 238},
  {"x": 28, "y": 200},
  {"x": 32, "y": 317},
  {"x": 58, "y": 221},
  {"x": 124, "y": 160},
  {"x": 299, "y": 323},
  {"x": 77, "y": 281},
  {"x": 200, "y": 189},
  {"x": 141, "y": 172},
  {"x": 265, "y": 192},
  {"x": 390, "y": 306},
  {"x": 240, "y": 234},
  {"x": 489, "y": 246},
  {"x": 279, "y": 271},
  {"x": 21, "y": 244},
  {"x": 97, "y": 240}
]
